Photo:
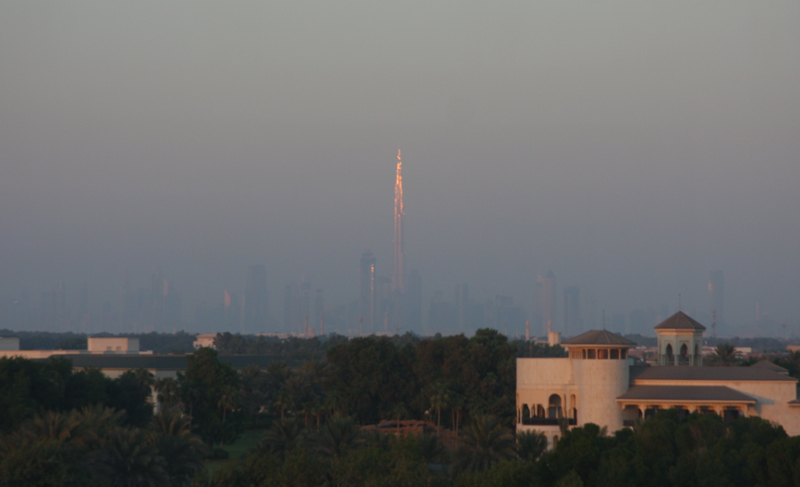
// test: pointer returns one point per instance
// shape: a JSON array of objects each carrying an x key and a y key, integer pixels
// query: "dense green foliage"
[
  {"x": 65, "y": 427},
  {"x": 370, "y": 376},
  {"x": 30, "y": 386},
  {"x": 209, "y": 390},
  {"x": 663, "y": 451},
  {"x": 291, "y": 349},
  {"x": 94, "y": 447}
]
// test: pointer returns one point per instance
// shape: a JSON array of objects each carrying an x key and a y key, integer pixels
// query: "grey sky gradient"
[{"x": 631, "y": 147}]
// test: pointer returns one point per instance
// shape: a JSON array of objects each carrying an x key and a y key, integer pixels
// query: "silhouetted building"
[
  {"x": 367, "y": 300},
  {"x": 572, "y": 307},
  {"x": 508, "y": 319},
  {"x": 716, "y": 294},
  {"x": 413, "y": 300},
  {"x": 305, "y": 305},
  {"x": 319, "y": 311},
  {"x": 462, "y": 306},
  {"x": 618, "y": 323},
  {"x": 640, "y": 320},
  {"x": 385, "y": 304},
  {"x": 256, "y": 309},
  {"x": 292, "y": 321},
  {"x": 441, "y": 315},
  {"x": 547, "y": 300}
]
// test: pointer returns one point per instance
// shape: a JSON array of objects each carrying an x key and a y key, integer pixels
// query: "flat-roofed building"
[
  {"x": 9, "y": 343},
  {"x": 112, "y": 345}
]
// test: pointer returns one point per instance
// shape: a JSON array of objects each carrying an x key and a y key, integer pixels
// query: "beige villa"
[{"x": 598, "y": 383}]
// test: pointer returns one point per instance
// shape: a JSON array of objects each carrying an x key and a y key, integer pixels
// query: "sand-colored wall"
[
  {"x": 599, "y": 383},
  {"x": 112, "y": 344},
  {"x": 539, "y": 378},
  {"x": 772, "y": 398}
]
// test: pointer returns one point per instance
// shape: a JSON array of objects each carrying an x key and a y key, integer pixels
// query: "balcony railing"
[{"x": 546, "y": 421}]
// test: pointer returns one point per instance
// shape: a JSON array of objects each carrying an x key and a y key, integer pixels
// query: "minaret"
[{"x": 397, "y": 275}]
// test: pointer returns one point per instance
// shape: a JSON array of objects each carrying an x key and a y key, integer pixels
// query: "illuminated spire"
[{"x": 397, "y": 275}]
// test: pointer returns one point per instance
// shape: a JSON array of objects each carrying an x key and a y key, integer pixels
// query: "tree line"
[
  {"x": 60, "y": 427},
  {"x": 664, "y": 451}
]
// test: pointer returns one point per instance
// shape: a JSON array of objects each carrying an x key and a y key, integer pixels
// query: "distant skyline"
[{"x": 630, "y": 148}]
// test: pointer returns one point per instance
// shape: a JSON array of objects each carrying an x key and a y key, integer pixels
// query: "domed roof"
[
  {"x": 599, "y": 337},
  {"x": 680, "y": 321}
]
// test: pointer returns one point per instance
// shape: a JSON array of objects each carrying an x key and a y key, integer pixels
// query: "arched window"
[
  {"x": 684, "y": 358},
  {"x": 526, "y": 412},
  {"x": 539, "y": 411},
  {"x": 670, "y": 359},
  {"x": 573, "y": 401},
  {"x": 554, "y": 406}
]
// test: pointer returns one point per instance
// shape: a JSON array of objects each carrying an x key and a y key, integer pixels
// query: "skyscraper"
[
  {"x": 291, "y": 308},
  {"x": 367, "y": 298},
  {"x": 572, "y": 306},
  {"x": 716, "y": 291},
  {"x": 397, "y": 274},
  {"x": 305, "y": 305},
  {"x": 319, "y": 311},
  {"x": 256, "y": 310},
  {"x": 413, "y": 299},
  {"x": 547, "y": 300}
]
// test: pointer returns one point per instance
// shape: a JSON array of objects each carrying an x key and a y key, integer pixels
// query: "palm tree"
[
  {"x": 144, "y": 377},
  {"x": 335, "y": 437},
  {"x": 172, "y": 422},
  {"x": 95, "y": 422},
  {"x": 531, "y": 444},
  {"x": 486, "y": 443},
  {"x": 283, "y": 401},
  {"x": 129, "y": 458},
  {"x": 282, "y": 437},
  {"x": 52, "y": 425},
  {"x": 167, "y": 391},
  {"x": 726, "y": 353},
  {"x": 226, "y": 402},
  {"x": 457, "y": 406},
  {"x": 398, "y": 412},
  {"x": 336, "y": 403},
  {"x": 183, "y": 451},
  {"x": 431, "y": 448},
  {"x": 440, "y": 399}
]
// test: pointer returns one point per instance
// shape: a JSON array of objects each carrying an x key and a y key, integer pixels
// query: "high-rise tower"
[
  {"x": 572, "y": 306},
  {"x": 716, "y": 294},
  {"x": 367, "y": 301},
  {"x": 546, "y": 286},
  {"x": 256, "y": 311},
  {"x": 397, "y": 274}
]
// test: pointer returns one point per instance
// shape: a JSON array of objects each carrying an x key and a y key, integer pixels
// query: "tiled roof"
[
  {"x": 685, "y": 393},
  {"x": 706, "y": 373},
  {"x": 770, "y": 366},
  {"x": 598, "y": 337},
  {"x": 680, "y": 321}
]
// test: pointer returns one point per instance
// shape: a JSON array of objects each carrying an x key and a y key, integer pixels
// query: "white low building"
[
  {"x": 9, "y": 347},
  {"x": 597, "y": 383},
  {"x": 205, "y": 340}
]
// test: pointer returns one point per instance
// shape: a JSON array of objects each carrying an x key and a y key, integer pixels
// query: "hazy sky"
[{"x": 631, "y": 147}]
